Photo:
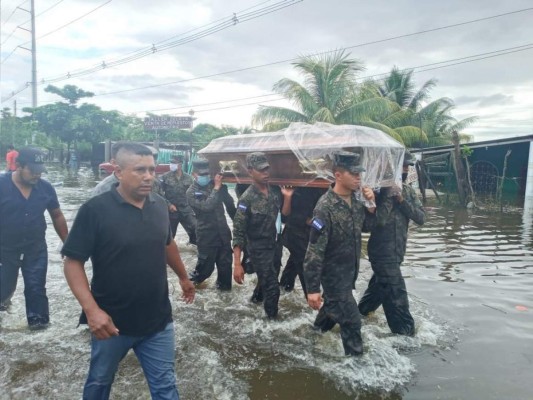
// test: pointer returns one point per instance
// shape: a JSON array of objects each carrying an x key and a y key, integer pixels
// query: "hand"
[
  {"x": 238, "y": 273},
  {"x": 217, "y": 181},
  {"x": 100, "y": 324},
  {"x": 368, "y": 194},
  {"x": 287, "y": 191},
  {"x": 314, "y": 300},
  {"x": 188, "y": 290},
  {"x": 172, "y": 208}
]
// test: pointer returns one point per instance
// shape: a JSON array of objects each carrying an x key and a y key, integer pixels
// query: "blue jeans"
[
  {"x": 34, "y": 265},
  {"x": 155, "y": 353}
]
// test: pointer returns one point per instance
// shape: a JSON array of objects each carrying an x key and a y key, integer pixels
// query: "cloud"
[{"x": 119, "y": 29}]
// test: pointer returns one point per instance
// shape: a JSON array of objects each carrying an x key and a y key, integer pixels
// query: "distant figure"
[
  {"x": 24, "y": 197},
  {"x": 255, "y": 226},
  {"x": 11, "y": 157},
  {"x": 175, "y": 184},
  {"x": 126, "y": 234},
  {"x": 207, "y": 196},
  {"x": 386, "y": 249},
  {"x": 332, "y": 258}
]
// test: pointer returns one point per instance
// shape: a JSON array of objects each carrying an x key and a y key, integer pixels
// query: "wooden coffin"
[{"x": 301, "y": 154}]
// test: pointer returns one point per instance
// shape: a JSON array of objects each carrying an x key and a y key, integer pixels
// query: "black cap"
[
  {"x": 177, "y": 158},
  {"x": 408, "y": 159},
  {"x": 257, "y": 161},
  {"x": 348, "y": 161},
  {"x": 200, "y": 166},
  {"x": 33, "y": 158}
]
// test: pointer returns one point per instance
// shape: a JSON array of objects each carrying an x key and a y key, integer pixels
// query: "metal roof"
[{"x": 473, "y": 145}]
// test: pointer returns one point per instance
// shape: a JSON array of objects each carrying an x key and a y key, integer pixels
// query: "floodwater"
[{"x": 469, "y": 275}]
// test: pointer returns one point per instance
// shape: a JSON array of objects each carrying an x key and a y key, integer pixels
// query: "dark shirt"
[
  {"x": 388, "y": 238},
  {"x": 254, "y": 224},
  {"x": 208, "y": 204},
  {"x": 127, "y": 247},
  {"x": 332, "y": 257},
  {"x": 22, "y": 221}
]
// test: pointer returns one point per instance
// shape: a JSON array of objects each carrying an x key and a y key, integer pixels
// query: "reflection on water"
[{"x": 466, "y": 272}]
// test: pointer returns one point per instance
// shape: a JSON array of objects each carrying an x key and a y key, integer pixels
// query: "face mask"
[
  {"x": 203, "y": 180},
  {"x": 404, "y": 177},
  {"x": 173, "y": 167}
]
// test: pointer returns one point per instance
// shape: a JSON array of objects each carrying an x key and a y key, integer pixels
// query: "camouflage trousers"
[
  {"x": 341, "y": 308},
  {"x": 387, "y": 288},
  {"x": 266, "y": 263}
]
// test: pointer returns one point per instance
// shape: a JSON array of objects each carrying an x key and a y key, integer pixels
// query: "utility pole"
[
  {"x": 33, "y": 58},
  {"x": 33, "y": 51}
]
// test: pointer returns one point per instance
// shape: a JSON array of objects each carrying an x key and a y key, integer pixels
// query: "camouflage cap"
[
  {"x": 348, "y": 161},
  {"x": 200, "y": 166},
  {"x": 408, "y": 159},
  {"x": 257, "y": 161}
]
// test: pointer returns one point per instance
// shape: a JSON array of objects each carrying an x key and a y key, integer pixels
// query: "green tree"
[{"x": 331, "y": 94}]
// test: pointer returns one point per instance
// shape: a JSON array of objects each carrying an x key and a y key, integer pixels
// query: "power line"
[
  {"x": 13, "y": 12},
  {"x": 230, "y": 21},
  {"x": 25, "y": 22},
  {"x": 433, "y": 66},
  {"x": 415, "y": 69},
  {"x": 57, "y": 29},
  {"x": 315, "y": 54},
  {"x": 161, "y": 46}
]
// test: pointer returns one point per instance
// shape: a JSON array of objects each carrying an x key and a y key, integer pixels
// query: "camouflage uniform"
[
  {"x": 386, "y": 249},
  {"x": 254, "y": 228},
  {"x": 175, "y": 188},
  {"x": 295, "y": 234},
  {"x": 332, "y": 259},
  {"x": 212, "y": 232}
]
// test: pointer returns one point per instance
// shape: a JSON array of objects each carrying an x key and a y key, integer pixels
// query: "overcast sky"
[{"x": 498, "y": 90}]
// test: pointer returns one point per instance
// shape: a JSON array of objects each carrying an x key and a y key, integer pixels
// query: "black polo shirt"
[
  {"x": 22, "y": 220},
  {"x": 127, "y": 249}
]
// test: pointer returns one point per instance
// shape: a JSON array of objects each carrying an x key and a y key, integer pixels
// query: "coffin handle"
[
  {"x": 229, "y": 167},
  {"x": 312, "y": 167}
]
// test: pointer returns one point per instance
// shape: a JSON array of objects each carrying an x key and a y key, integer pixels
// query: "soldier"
[
  {"x": 386, "y": 249},
  {"x": 175, "y": 184},
  {"x": 207, "y": 197},
  {"x": 295, "y": 234},
  {"x": 332, "y": 257},
  {"x": 254, "y": 226}
]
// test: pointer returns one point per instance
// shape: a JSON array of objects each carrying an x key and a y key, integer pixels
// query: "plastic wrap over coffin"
[{"x": 301, "y": 154}]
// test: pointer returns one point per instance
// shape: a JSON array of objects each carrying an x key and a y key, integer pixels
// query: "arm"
[
  {"x": 175, "y": 262},
  {"x": 203, "y": 203},
  {"x": 238, "y": 271},
  {"x": 60, "y": 223},
  {"x": 314, "y": 258},
  {"x": 100, "y": 323},
  {"x": 411, "y": 206},
  {"x": 228, "y": 202},
  {"x": 287, "y": 193}
]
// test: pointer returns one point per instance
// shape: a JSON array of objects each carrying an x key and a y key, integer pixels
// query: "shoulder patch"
[
  {"x": 242, "y": 207},
  {"x": 318, "y": 224}
]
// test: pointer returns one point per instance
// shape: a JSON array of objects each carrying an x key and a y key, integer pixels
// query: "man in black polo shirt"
[
  {"x": 24, "y": 197},
  {"x": 126, "y": 233}
]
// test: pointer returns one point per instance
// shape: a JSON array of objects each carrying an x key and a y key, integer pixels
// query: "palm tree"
[
  {"x": 399, "y": 87},
  {"x": 330, "y": 94}
]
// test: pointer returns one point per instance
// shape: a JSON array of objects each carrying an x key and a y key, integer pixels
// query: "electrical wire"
[{"x": 25, "y": 22}]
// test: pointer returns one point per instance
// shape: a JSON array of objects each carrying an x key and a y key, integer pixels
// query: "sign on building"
[{"x": 154, "y": 123}]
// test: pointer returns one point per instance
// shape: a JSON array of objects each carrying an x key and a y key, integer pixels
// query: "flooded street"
[{"x": 470, "y": 280}]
